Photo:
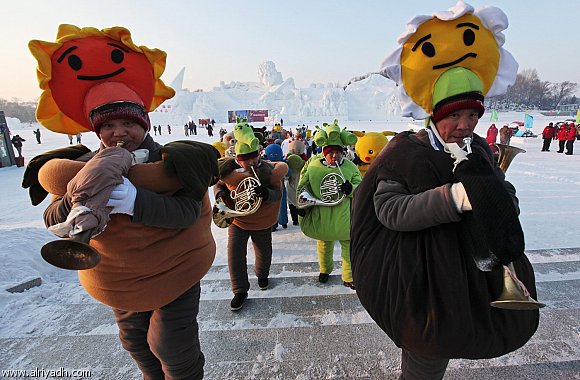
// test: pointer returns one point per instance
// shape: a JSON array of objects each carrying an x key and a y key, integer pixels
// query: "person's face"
[
  {"x": 333, "y": 157},
  {"x": 247, "y": 164},
  {"x": 458, "y": 125},
  {"x": 131, "y": 133}
]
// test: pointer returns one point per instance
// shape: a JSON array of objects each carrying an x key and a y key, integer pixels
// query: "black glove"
[
  {"x": 475, "y": 166},
  {"x": 493, "y": 228},
  {"x": 301, "y": 212},
  {"x": 262, "y": 192},
  {"x": 346, "y": 187},
  {"x": 222, "y": 195}
]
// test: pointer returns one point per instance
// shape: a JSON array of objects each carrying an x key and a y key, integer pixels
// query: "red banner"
[{"x": 257, "y": 115}]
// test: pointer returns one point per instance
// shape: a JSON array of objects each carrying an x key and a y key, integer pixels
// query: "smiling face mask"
[{"x": 88, "y": 67}]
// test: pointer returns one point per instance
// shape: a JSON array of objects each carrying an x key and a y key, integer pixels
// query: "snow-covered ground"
[{"x": 548, "y": 187}]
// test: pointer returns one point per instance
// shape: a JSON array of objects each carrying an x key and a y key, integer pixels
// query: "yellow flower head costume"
[
  {"x": 87, "y": 67},
  {"x": 461, "y": 37}
]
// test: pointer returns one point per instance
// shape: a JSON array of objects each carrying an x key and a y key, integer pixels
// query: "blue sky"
[{"x": 311, "y": 41}]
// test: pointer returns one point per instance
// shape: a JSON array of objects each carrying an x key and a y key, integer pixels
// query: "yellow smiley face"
[{"x": 438, "y": 46}]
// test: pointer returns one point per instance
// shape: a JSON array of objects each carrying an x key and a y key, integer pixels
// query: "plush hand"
[
  {"x": 346, "y": 187},
  {"x": 460, "y": 197},
  {"x": 122, "y": 199},
  {"x": 262, "y": 192}
]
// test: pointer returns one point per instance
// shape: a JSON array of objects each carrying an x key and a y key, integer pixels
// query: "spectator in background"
[
  {"x": 70, "y": 139},
  {"x": 168, "y": 129},
  {"x": 547, "y": 135},
  {"x": 17, "y": 142},
  {"x": 570, "y": 138},
  {"x": 505, "y": 135},
  {"x": 222, "y": 133},
  {"x": 562, "y": 135},
  {"x": 37, "y": 135},
  {"x": 79, "y": 136},
  {"x": 491, "y": 134}
]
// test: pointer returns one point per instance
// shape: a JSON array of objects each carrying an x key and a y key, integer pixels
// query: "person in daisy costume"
[
  {"x": 332, "y": 180},
  {"x": 434, "y": 220}
]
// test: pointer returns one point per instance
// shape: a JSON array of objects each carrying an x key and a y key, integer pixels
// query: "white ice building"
[{"x": 372, "y": 98}]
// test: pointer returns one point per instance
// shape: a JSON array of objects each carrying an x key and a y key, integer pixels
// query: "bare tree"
[{"x": 563, "y": 90}]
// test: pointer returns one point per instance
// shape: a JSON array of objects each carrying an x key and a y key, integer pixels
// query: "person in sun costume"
[
  {"x": 434, "y": 220},
  {"x": 146, "y": 205}
]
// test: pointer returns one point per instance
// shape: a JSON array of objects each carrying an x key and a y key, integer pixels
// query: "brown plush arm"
[{"x": 57, "y": 173}]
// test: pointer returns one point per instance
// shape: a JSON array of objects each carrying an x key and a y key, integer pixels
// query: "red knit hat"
[
  {"x": 119, "y": 110},
  {"x": 458, "y": 102},
  {"x": 327, "y": 149}
]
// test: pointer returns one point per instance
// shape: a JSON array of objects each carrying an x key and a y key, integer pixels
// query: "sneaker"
[
  {"x": 274, "y": 227},
  {"x": 284, "y": 226},
  {"x": 349, "y": 284},
  {"x": 263, "y": 283},
  {"x": 323, "y": 277},
  {"x": 238, "y": 301},
  {"x": 294, "y": 222}
]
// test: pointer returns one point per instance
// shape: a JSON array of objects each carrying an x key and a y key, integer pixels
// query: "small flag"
[
  {"x": 578, "y": 117},
  {"x": 529, "y": 120},
  {"x": 494, "y": 116}
]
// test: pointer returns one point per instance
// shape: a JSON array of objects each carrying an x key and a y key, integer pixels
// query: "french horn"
[
  {"x": 515, "y": 295},
  {"x": 330, "y": 194},
  {"x": 246, "y": 202}
]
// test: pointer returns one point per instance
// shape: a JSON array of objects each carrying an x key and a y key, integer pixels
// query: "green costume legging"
[{"x": 326, "y": 262}]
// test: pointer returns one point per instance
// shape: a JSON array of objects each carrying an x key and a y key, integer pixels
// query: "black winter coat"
[{"x": 422, "y": 287}]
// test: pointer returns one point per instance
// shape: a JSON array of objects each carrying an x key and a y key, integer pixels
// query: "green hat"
[
  {"x": 332, "y": 135},
  {"x": 457, "y": 88},
  {"x": 246, "y": 141}
]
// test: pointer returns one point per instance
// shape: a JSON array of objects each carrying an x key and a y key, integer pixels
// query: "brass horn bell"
[
  {"x": 73, "y": 254},
  {"x": 514, "y": 295}
]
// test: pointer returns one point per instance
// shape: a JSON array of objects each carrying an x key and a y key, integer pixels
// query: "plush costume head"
[
  {"x": 333, "y": 136},
  {"x": 274, "y": 152},
  {"x": 459, "y": 37},
  {"x": 247, "y": 144},
  {"x": 297, "y": 147},
  {"x": 221, "y": 147},
  {"x": 87, "y": 68},
  {"x": 370, "y": 144},
  {"x": 295, "y": 162}
]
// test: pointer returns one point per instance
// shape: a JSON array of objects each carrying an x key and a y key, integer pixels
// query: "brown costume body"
[{"x": 157, "y": 265}]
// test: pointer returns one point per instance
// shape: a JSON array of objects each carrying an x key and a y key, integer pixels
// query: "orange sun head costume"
[
  {"x": 87, "y": 67},
  {"x": 459, "y": 37}
]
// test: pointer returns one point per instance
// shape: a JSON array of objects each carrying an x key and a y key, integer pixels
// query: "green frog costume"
[{"x": 329, "y": 223}]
